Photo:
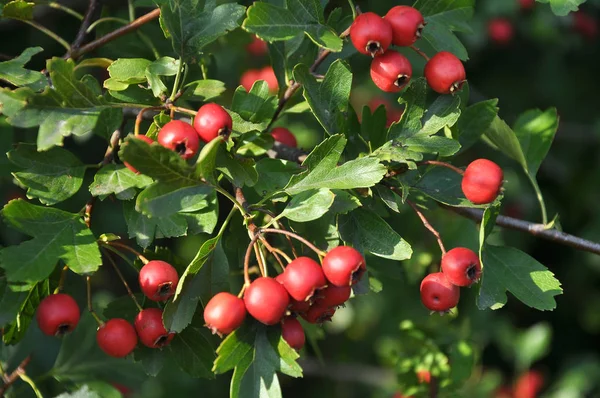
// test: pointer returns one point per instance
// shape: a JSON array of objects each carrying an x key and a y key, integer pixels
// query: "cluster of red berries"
[
  {"x": 305, "y": 288},
  {"x": 59, "y": 314},
  {"x": 391, "y": 71}
]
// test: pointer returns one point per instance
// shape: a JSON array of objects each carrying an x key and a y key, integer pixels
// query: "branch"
[
  {"x": 85, "y": 24},
  {"x": 428, "y": 226},
  {"x": 534, "y": 229},
  {"x": 115, "y": 34},
  {"x": 346, "y": 372},
  {"x": 11, "y": 378}
]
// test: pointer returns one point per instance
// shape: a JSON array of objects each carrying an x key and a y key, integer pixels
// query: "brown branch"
[
  {"x": 85, "y": 24},
  {"x": 115, "y": 34},
  {"x": 14, "y": 376},
  {"x": 428, "y": 226},
  {"x": 534, "y": 229},
  {"x": 421, "y": 53}
]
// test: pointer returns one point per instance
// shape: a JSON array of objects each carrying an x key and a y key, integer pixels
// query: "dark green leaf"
[
  {"x": 14, "y": 331},
  {"x": 122, "y": 307},
  {"x": 18, "y": 9},
  {"x": 373, "y": 126},
  {"x": 443, "y": 112},
  {"x": 239, "y": 170},
  {"x": 443, "y": 185},
  {"x": 415, "y": 100},
  {"x": 474, "y": 121},
  {"x": 535, "y": 131},
  {"x": 488, "y": 221},
  {"x": 117, "y": 180},
  {"x": 390, "y": 198},
  {"x": 144, "y": 229},
  {"x": 13, "y": 71},
  {"x": 435, "y": 144},
  {"x": 254, "y": 106},
  {"x": 193, "y": 352},
  {"x": 255, "y": 143},
  {"x": 203, "y": 90},
  {"x": 163, "y": 200},
  {"x": 152, "y": 360},
  {"x": 308, "y": 205},
  {"x": 273, "y": 175}
]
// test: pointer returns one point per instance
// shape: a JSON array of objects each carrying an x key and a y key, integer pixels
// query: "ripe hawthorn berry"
[
  {"x": 267, "y": 74},
  {"x": 407, "y": 24},
  {"x": 333, "y": 296},
  {"x": 445, "y": 73},
  {"x": 482, "y": 181},
  {"x": 527, "y": 4},
  {"x": 180, "y": 137},
  {"x": 318, "y": 314},
  {"x": 370, "y": 34},
  {"x": 295, "y": 306},
  {"x": 266, "y": 300},
  {"x": 147, "y": 140},
  {"x": 500, "y": 30},
  {"x": 211, "y": 121},
  {"x": 158, "y": 280},
  {"x": 257, "y": 46},
  {"x": 116, "y": 338},
  {"x": 224, "y": 313},
  {"x": 302, "y": 277},
  {"x": 461, "y": 266},
  {"x": 424, "y": 376},
  {"x": 438, "y": 294},
  {"x": 285, "y": 136},
  {"x": 391, "y": 71},
  {"x": 529, "y": 385},
  {"x": 151, "y": 330},
  {"x": 293, "y": 333},
  {"x": 343, "y": 266},
  {"x": 57, "y": 314}
]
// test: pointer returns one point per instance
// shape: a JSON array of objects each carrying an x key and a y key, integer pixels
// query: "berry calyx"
[
  {"x": 318, "y": 314},
  {"x": 211, "y": 121},
  {"x": 180, "y": 137},
  {"x": 151, "y": 330},
  {"x": 333, "y": 296},
  {"x": 343, "y": 266},
  {"x": 57, "y": 314},
  {"x": 482, "y": 181},
  {"x": 407, "y": 24},
  {"x": 445, "y": 73},
  {"x": 117, "y": 338},
  {"x": 461, "y": 266},
  {"x": 158, "y": 280},
  {"x": 285, "y": 136},
  {"x": 500, "y": 30},
  {"x": 438, "y": 294},
  {"x": 391, "y": 71},
  {"x": 302, "y": 277},
  {"x": 293, "y": 333},
  {"x": 266, "y": 300},
  {"x": 371, "y": 34},
  {"x": 299, "y": 307},
  {"x": 224, "y": 313},
  {"x": 147, "y": 140}
]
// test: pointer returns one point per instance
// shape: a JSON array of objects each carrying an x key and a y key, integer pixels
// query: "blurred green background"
[{"x": 382, "y": 338}]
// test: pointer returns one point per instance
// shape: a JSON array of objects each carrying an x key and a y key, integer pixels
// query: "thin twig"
[
  {"x": 129, "y": 249},
  {"x": 428, "y": 226},
  {"x": 61, "y": 281},
  {"x": 261, "y": 264},
  {"x": 295, "y": 236},
  {"x": 120, "y": 274},
  {"x": 247, "y": 259},
  {"x": 442, "y": 164},
  {"x": 421, "y": 53},
  {"x": 88, "y": 284},
  {"x": 48, "y": 33},
  {"x": 82, "y": 33},
  {"x": 14, "y": 376},
  {"x": 140, "y": 117},
  {"x": 115, "y": 34}
]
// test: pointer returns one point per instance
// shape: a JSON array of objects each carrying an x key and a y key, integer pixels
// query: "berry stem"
[
  {"x": 120, "y": 274},
  {"x": 295, "y": 236},
  {"x": 61, "y": 281},
  {"x": 140, "y": 117},
  {"x": 260, "y": 259},
  {"x": 89, "y": 301},
  {"x": 443, "y": 164},
  {"x": 181, "y": 110},
  {"x": 282, "y": 253},
  {"x": 242, "y": 290},
  {"x": 421, "y": 53},
  {"x": 274, "y": 251},
  {"x": 233, "y": 200},
  {"x": 428, "y": 226},
  {"x": 177, "y": 80},
  {"x": 129, "y": 249},
  {"x": 247, "y": 259}
]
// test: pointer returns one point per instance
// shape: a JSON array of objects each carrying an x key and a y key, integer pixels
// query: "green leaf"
[
  {"x": 13, "y": 71},
  {"x": 323, "y": 171},
  {"x": 443, "y": 112},
  {"x": 193, "y": 352},
  {"x": 373, "y": 126},
  {"x": 126, "y": 71},
  {"x": 162, "y": 200},
  {"x": 503, "y": 138},
  {"x": 254, "y": 144},
  {"x": 329, "y": 99},
  {"x": 394, "y": 151},
  {"x": 308, "y": 205},
  {"x": 239, "y": 170},
  {"x": 443, "y": 185},
  {"x": 117, "y": 180},
  {"x": 475, "y": 121},
  {"x": 441, "y": 145},
  {"x": 70, "y": 107},
  {"x": 488, "y": 221},
  {"x": 56, "y": 235},
  {"x": 390, "y": 198},
  {"x": 234, "y": 348},
  {"x": 415, "y": 99},
  {"x": 122, "y": 307},
  {"x": 164, "y": 66},
  {"x": 15, "y": 331},
  {"x": 152, "y": 360},
  {"x": 144, "y": 229},
  {"x": 367, "y": 232},
  {"x": 274, "y": 23},
  {"x": 462, "y": 358},
  {"x": 12, "y": 297},
  {"x": 193, "y": 24},
  {"x": 532, "y": 345},
  {"x": 563, "y": 7},
  {"x": 203, "y": 90},
  {"x": 509, "y": 269},
  {"x": 273, "y": 175},
  {"x": 18, "y": 9},
  {"x": 52, "y": 176},
  {"x": 255, "y": 106}
]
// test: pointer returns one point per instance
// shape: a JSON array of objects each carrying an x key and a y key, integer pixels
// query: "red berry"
[
  {"x": 116, "y": 338},
  {"x": 504, "y": 392},
  {"x": 292, "y": 333},
  {"x": 407, "y": 24},
  {"x": 333, "y": 296},
  {"x": 529, "y": 385},
  {"x": 445, "y": 73},
  {"x": 268, "y": 75},
  {"x": 500, "y": 30},
  {"x": 318, "y": 314},
  {"x": 371, "y": 34},
  {"x": 249, "y": 77},
  {"x": 438, "y": 294},
  {"x": 482, "y": 181},
  {"x": 57, "y": 314},
  {"x": 180, "y": 137},
  {"x": 302, "y": 277},
  {"x": 424, "y": 376},
  {"x": 151, "y": 330},
  {"x": 391, "y": 71},
  {"x": 158, "y": 280},
  {"x": 285, "y": 136},
  {"x": 147, "y": 140},
  {"x": 461, "y": 266},
  {"x": 393, "y": 114},
  {"x": 257, "y": 47},
  {"x": 224, "y": 313},
  {"x": 343, "y": 266},
  {"x": 527, "y": 4},
  {"x": 266, "y": 300},
  {"x": 585, "y": 25},
  {"x": 211, "y": 121}
]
